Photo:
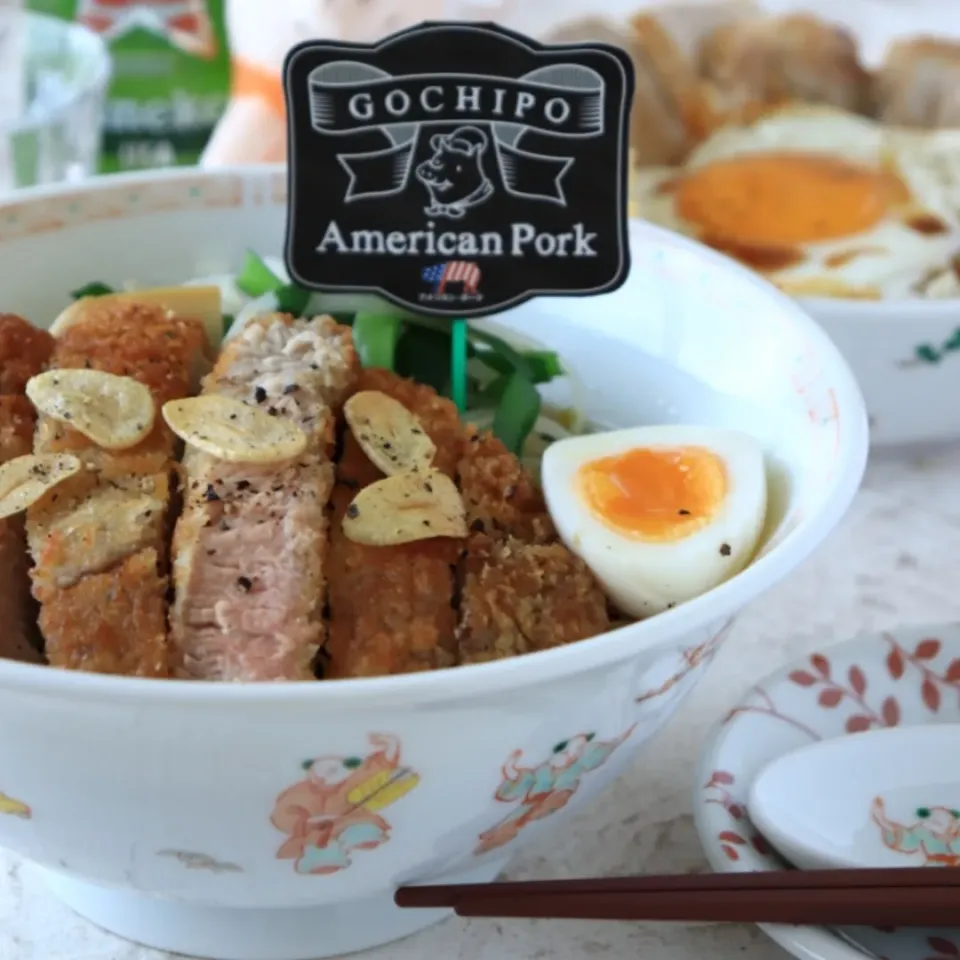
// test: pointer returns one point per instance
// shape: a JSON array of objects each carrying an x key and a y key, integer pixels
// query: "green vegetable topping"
[
  {"x": 227, "y": 320},
  {"x": 292, "y": 299},
  {"x": 375, "y": 339},
  {"x": 516, "y": 413},
  {"x": 256, "y": 278},
  {"x": 94, "y": 289},
  {"x": 423, "y": 354}
]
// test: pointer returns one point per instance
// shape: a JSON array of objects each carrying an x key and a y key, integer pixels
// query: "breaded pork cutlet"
[
  {"x": 764, "y": 61},
  {"x": 250, "y": 547},
  {"x": 99, "y": 539},
  {"x": 918, "y": 84},
  {"x": 24, "y": 352},
  {"x": 521, "y": 589},
  {"x": 521, "y": 597},
  {"x": 391, "y": 608}
]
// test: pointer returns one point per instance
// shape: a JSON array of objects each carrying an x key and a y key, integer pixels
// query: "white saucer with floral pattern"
[{"x": 905, "y": 678}]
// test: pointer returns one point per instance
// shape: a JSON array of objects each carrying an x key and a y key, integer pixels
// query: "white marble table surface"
[{"x": 891, "y": 562}]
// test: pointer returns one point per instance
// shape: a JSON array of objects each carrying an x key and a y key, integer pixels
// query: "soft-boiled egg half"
[
  {"x": 821, "y": 202},
  {"x": 659, "y": 514}
]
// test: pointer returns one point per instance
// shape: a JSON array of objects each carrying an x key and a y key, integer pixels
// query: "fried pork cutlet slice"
[
  {"x": 99, "y": 540},
  {"x": 250, "y": 546},
  {"x": 521, "y": 589},
  {"x": 918, "y": 83},
  {"x": 521, "y": 597},
  {"x": 24, "y": 352},
  {"x": 765, "y": 61},
  {"x": 391, "y": 608},
  {"x": 500, "y": 496}
]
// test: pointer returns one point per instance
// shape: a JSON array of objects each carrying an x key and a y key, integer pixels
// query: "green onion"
[
  {"x": 516, "y": 413},
  {"x": 256, "y": 278},
  {"x": 544, "y": 365},
  {"x": 94, "y": 289},
  {"x": 227, "y": 320},
  {"x": 375, "y": 339},
  {"x": 292, "y": 299},
  {"x": 513, "y": 357},
  {"x": 423, "y": 354},
  {"x": 488, "y": 396}
]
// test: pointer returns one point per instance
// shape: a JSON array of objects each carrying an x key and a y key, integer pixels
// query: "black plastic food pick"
[{"x": 458, "y": 169}]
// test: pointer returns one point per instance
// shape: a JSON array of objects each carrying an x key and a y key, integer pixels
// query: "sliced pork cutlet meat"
[
  {"x": 99, "y": 539},
  {"x": 391, "y": 609},
  {"x": 250, "y": 546},
  {"x": 521, "y": 589}
]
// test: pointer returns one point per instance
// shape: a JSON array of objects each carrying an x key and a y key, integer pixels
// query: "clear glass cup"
[{"x": 53, "y": 83}]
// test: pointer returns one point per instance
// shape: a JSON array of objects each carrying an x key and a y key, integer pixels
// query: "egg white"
[
  {"x": 924, "y": 160},
  {"x": 644, "y": 577}
]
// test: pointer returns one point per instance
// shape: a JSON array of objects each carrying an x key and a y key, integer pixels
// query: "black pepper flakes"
[
  {"x": 477, "y": 526},
  {"x": 243, "y": 484},
  {"x": 725, "y": 550},
  {"x": 428, "y": 488},
  {"x": 244, "y": 583},
  {"x": 291, "y": 388},
  {"x": 259, "y": 394},
  {"x": 210, "y": 494},
  {"x": 353, "y": 511}
]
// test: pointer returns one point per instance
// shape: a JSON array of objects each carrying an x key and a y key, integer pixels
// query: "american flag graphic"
[
  {"x": 453, "y": 271},
  {"x": 185, "y": 23}
]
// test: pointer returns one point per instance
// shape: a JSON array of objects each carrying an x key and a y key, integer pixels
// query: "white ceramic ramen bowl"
[
  {"x": 273, "y": 822},
  {"x": 906, "y": 357}
]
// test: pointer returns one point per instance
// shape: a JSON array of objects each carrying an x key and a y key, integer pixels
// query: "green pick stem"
[{"x": 458, "y": 364}]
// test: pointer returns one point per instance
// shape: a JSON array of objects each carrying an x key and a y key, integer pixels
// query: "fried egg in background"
[
  {"x": 822, "y": 202},
  {"x": 659, "y": 514}
]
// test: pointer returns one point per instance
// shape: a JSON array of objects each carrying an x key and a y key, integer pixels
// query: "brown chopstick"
[{"x": 901, "y": 897}]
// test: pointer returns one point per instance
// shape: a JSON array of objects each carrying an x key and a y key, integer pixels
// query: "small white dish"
[
  {"x": 864, "y": 801},
  {"x": 875, "y": 681}
]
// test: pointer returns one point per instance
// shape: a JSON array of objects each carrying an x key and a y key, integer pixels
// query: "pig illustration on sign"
[{"x": 454, "y": 176}]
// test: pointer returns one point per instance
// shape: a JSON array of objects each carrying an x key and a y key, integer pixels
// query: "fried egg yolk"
[
  {"x": 786, "y": 198},
  {"x": 655, "y": 494}
]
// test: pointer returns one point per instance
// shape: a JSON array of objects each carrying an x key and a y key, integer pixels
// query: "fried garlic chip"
[
  {"x": 234, "y": 431},
  {"x": 388, "y": 433},
  {"x": 406, "y": 508},
  {"x": 24, "y": 480},
  {"x": 114, "y": 412}
]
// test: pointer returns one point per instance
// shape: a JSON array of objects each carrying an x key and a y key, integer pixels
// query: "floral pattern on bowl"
[{"x": 873, "y": 681}]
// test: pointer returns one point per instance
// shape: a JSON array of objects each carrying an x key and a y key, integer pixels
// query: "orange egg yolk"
[
  {"x": 655, "y": 493},
  {"x": 786, "y": 198}
]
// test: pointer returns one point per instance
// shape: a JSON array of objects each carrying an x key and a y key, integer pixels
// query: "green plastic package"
[{"x": 171, "y": 75}]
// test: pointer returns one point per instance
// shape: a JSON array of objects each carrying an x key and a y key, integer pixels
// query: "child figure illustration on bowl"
[
  {"x": 935, "y": 834},
  {"x": 336, "y": 808},
  {"x": 542, "y": 790}
]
